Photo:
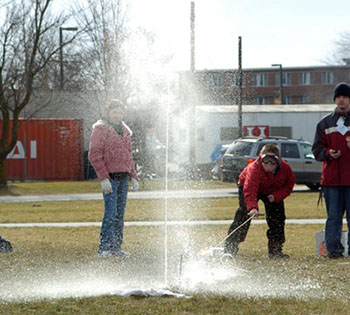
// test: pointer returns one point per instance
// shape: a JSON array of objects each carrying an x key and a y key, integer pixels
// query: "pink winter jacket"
[{"x": 110, "y": 153}]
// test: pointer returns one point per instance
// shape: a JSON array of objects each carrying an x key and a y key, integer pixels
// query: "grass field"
[
  {"x": 57, "y": 270},
  {"x": 94, "y": 186}
]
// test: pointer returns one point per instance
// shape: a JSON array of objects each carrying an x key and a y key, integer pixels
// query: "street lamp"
[
  {"x": 281, "y": 80},
  {"x": 61, "y": 51}
]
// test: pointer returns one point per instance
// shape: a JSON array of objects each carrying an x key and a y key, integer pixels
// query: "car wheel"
[{"x": 314, "y": 187}]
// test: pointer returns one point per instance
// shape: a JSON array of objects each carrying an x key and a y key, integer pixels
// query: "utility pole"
[
  {"x": 192, "y": 117},
  {"x": 240, "y": 84},
  {"x": 61, "y": 53}
]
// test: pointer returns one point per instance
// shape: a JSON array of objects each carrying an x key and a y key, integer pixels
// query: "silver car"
[{"x": 297, "y": 153}]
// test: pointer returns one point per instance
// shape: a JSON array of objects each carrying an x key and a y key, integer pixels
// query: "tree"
[
  {"x": 101, "y": 47},
  {"x": 28, "y": 43},
  {"x": 120, "y": 62},
  {"x": 341, "y": 50}
]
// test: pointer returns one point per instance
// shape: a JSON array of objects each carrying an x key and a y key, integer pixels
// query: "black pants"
[{"x": 275, "y": 218}]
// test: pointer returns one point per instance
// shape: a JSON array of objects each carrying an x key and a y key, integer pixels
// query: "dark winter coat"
[
  {"x": 334, "y": 172},
  {"x": 256, "y": 181}
]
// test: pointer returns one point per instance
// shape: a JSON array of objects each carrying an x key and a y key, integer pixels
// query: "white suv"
[{"x": 297, "y": 153}]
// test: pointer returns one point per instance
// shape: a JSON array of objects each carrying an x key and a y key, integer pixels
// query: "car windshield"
[{"x": 240, "y": 148}]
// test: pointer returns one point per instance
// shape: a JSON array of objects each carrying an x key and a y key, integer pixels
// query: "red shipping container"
[{"x": 48, "y": 149}]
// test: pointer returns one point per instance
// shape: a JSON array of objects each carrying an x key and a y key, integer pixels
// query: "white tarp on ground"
[{"x": 150, "y": 293}]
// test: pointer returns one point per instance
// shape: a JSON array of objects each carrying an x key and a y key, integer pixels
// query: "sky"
[{"x": 288, "y": 32}]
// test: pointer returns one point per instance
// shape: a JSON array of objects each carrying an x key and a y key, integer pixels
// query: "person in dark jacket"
[
  {"x": 271, "y": 180},
  {"x": 332, "y": 147}
]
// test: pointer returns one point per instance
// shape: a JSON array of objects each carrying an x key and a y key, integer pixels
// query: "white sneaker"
[
  {"x": 121, "y": 253},
  {"x": 115, "y": 253},
  {"x": 105, "y": 253}
]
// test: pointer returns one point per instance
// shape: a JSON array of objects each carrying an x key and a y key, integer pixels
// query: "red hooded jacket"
[{"x": 255, "y": 180}]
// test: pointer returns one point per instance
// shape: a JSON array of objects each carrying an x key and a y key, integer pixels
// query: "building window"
[
  {"x": 261, "y": 100},
  {"x": 228, "y": 134},
  {"x": 303, "y": 99},
  {"x": 327, "y": 77},
  {"x": 260, "y": 79},
  {"x": 288, "y": 99},
  {"x": 306, "y": 78},
  {"x": 233, "y": 79},
  {"x": 287, "y": 79},
  {"x": 215, "y": 80}
]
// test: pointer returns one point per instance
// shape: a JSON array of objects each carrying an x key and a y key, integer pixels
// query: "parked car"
[{"x": 297, "y": 153}]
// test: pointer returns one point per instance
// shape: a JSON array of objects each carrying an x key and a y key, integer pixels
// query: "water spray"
[{"x": 218, "y": 251}]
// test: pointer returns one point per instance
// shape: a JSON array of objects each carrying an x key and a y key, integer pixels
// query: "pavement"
[
  {"x": 161, "y": 194},
  {"x": 155, "y": 223},
  {"x": 205, "y": 193}
]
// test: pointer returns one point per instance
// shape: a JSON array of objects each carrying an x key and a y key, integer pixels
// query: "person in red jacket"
[
  {"x": 110, "y": 154},
  {"x": 271, "y": 180},
  {"x": 332, "y": 147}
]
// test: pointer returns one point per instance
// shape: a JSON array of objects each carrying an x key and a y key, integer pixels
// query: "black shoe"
[
  {"x": 335, "y": 255},
  {"x": 5, "y": 246},
  {"x": 232, "y": 250},
  {"x": 278, "y": 255}
]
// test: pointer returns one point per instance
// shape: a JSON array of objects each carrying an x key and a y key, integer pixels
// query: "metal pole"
[
  {"x": 61, "y": 59},
  {"x": 192, "y": 118},
  {"x": 240, "y": 84},
  {"x": 192, "y": 36},
  {"x": 61, "y": 53}
]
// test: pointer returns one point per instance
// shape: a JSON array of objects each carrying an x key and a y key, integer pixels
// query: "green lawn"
[
  {"x": 93, "y": 186},
  {"x": 57, "y": 270},
  {"x": 298, "y": 206}
]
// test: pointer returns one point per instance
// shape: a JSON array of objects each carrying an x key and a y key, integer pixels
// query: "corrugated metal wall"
[{"x": 48, "y": 149}]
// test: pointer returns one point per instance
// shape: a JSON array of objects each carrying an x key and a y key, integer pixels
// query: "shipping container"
[{"x": 47, "y": 149}]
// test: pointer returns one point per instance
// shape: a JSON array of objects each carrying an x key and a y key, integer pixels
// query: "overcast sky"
[{"x": 290, "y": 32}]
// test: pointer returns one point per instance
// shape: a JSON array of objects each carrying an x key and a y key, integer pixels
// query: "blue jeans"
[
  {"x": 111, "y": 236},
  {"x": 337, "y": 202}
]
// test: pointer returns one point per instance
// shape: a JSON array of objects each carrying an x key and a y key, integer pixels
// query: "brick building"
[{"x": 262, "y": 86}]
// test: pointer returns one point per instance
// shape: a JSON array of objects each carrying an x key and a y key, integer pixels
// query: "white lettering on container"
[{"x": 19, "y": 153}]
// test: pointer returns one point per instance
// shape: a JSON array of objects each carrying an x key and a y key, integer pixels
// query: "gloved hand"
[
  {"x": 135, "y": 184},
  {"x": 253, "y": 212},
  {"x": 106, "y": 186}
]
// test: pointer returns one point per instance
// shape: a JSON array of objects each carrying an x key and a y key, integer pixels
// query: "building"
[
  {"x": 216, "y": 125},
  {"x": 262, "y": 86}
]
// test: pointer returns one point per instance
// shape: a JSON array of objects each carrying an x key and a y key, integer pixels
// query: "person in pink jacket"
[{"x": 110, "y": 154}]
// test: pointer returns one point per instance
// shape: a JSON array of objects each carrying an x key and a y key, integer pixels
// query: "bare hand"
[
  {"x": 335, "y": 154},
  {"x": 271, "y": 198}
]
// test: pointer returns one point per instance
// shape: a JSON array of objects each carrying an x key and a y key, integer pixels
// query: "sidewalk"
[
  {"x": 155, "y": 223},
  {"x": 161, "y": 194}
]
